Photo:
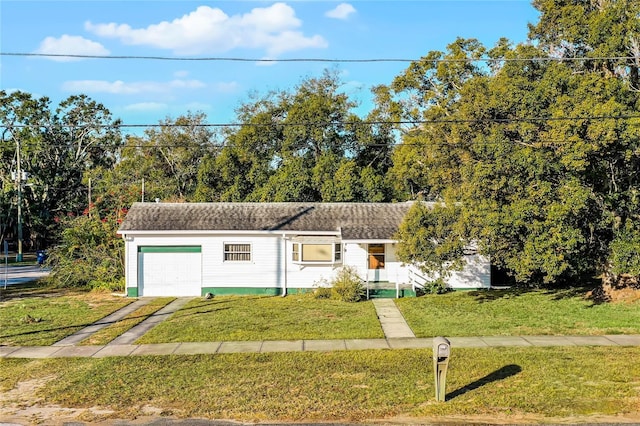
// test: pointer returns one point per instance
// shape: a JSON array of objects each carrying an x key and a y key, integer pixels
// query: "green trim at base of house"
[
  {"x": 242, "y": 291},
  {"x": 277, "y": 291},
  {"x": 300, "y": 290},
  {"x": 132, "y": 291},
  {"x": 252, "y": 291},
  {"x": 469, "y": 289}
]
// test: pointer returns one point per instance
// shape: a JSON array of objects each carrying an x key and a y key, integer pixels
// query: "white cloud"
[
  {"x": 146, "y": 106},
  {"x": 227, "y": 87},
  {"x": 121, "y": 88},
  {"x": 210, "y": 30},
  {"x": 181, "y": 74},
  {"x": 342, "y": 11},
  {"x": 70, "y": 45}
]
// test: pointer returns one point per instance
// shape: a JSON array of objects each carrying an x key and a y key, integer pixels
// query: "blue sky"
[{"x": 145, "y": 91}]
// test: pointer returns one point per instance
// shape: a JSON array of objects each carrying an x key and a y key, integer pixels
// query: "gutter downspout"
[
  {"x": 126, "y": 264},
  {"x": 366, "y": 268},
  {"x": 284, "y": 275}
]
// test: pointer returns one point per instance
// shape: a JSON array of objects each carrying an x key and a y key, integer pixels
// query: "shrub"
[
  {"x": 323, "y": 293},
  {"x": 107, "y": 285},
  {"x": 437, "y": 286},
  {"x": 89, "y": 254},
  {"x": 347, "y": 285}
]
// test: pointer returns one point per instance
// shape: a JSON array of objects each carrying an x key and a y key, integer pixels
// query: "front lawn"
[
  {"x": 496, "y": 385},
  {"x": 33, "y": 315},
  {"x": 294, "y": 317},
  {"x": 514, "y": 312}
]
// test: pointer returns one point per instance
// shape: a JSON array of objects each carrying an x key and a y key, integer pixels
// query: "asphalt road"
[{"x": 16, "y": 274}]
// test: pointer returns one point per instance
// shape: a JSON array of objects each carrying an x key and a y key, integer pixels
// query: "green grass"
[
  {"x": 112, "y": 331},
  {"x": 545, "y": 312},
  {"x": 230, "y": 318},
  {"x": 495, "y": 383},
  {"x": 32, "y": 315}
]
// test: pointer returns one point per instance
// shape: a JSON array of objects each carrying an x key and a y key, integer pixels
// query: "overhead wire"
[
  {"x": 332, "y": 123},
  {"x": 325, "y": 60},
  {"x": 340, "y": 123}
]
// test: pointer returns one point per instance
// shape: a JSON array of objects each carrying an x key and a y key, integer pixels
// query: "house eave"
[{"x": 227, "y": 232}]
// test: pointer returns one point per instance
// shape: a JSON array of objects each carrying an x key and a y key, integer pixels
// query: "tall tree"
[
  {"x": 166, "y": 160},
  {"x": 528, "y": 156},
  {"x": 300, "y": 145},
  {"x": 249, "y": 155},
  {"x": 57, "y": 148}
]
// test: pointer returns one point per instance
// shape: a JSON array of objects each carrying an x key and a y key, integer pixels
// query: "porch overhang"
[{"x": 363, "y": 241}]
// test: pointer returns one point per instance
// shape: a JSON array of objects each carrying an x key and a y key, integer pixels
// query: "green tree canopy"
[
  {"x": 536, "y": 160},
  {"x": 305, "y": 144},
  {"x": 56, "y": 147}
]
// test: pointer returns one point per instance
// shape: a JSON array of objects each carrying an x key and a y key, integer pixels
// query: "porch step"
[{"x": 387, "y": 290}]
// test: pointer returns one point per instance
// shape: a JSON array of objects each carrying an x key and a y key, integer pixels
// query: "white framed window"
[
  {"x": 237, "y": 252},
  {"x": 319, "y": 253}
]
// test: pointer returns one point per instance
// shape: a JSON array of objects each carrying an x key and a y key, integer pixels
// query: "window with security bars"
[{"x": 234, "y": 252}]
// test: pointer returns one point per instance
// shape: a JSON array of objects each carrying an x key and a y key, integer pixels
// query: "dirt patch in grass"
[
  {"x": 620, "y": 295},
  {"x": 22, "y": 404},
  {"x": 619, "y": 289}
]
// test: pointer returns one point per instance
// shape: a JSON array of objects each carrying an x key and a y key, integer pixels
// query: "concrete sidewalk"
[
  {"x": 392, "y": 322},
  {"x": 271, "y": 346}
]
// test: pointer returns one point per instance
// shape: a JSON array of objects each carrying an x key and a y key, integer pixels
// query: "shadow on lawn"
[
  {"x": 500, "y": 374},
  {"x": 490, "y": 295},
  {"x": 70, "y": 328},
  {"x": 32, "y": 290},
  {"x": 213, "y": 305},
  {"x": 588, "y": 291}
]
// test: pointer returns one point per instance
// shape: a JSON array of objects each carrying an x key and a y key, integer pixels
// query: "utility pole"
[
  {"x": 19, "y": 184},
  {"x": 89, "y": 207}
]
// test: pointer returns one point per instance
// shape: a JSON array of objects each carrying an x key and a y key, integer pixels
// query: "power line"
[
  {"x": 536, "y": 143},
  {"x": 341, "y": 123},
  {"x": 325, "y": 60}
]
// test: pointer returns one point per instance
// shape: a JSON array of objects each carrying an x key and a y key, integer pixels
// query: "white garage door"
[{"x": 169, "y": 270}]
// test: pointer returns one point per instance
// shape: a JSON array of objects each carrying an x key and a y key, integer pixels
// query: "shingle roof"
[{"x": 355, "y": 221}]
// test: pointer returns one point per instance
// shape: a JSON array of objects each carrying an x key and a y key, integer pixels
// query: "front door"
[{"x": 377, "y": 271}]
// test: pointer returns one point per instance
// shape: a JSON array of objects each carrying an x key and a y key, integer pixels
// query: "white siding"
[
  {"x": 269, "y": 257},
  {"x": 476, "y": 274}
]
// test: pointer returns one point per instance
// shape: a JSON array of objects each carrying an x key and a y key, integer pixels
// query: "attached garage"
[{"x": 169, "y": 270}]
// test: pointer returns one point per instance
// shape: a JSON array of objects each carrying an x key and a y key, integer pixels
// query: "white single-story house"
[{"x": 191, "y": 249}]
